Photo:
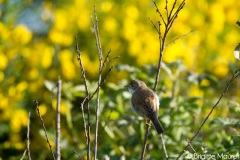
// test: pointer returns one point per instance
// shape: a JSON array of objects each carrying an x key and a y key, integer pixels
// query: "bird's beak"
[{"x": 126, "y": 86}]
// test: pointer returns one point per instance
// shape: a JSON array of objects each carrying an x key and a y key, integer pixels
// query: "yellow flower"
[
  {"x": 110, "y": 25},
  {"x": 129, "y": 29},
  {"x": 60, "y": 37},
  {"x": 205, "y": 83},
  {"x": 42, "y": 109},
  {"x": 21, "y": 35},
  {"x": 33, "y": 74},
  {"x": 4, "y": 102},
  {"x": 106, "y": 6},
  {"x": 194, "y": 91},
  {"x": 4, "y": 32},
  {"x": 22, "y": 86},
  {"x": 220, "y": 67},
  {"x": 132, "y": 12},
  {"x": 46, "y": 56},
  {"x": 68, "y": 68},
  {"x": 18, "y": 120},
  {"x": 1, "y": 76},
  {"x": 3, "y": 62},
  {"x": 61, "y": 20},
  {"x": 218, "y": 17}
]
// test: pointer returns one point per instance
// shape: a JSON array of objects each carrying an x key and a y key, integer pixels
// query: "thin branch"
[
  {"x": 177, "y": 11},
  {"x": 148, "y": 125},
  {"x": 84, "y": 121},
  {"x": 106, "y": 60},
  {"x": 173, "y": 6},
  {"x": 28, "y": 137},
  {"x": 102, "y": 82},
  {"x": 157, "y": 29},
  {"x": 171, "y": 16},
  {"x": 88, "y": 98},
  {"x": 113, "y": 59},
  {"x": 58, "y": 127},
  {"x": 164, "y": 148},
  {"x": 81, "y": 67},
  {"x": 98, "y": 43},
  {"x": 44, "y": 128},
  {"x": 78, "y": 155},
  {"x": 160, "y": 14},
  {"x": 24, "y": 153},
  {"x": 235, "y": 75},
  {"x": 86, "y": 129},
  {"x": 184, "y": 35},
  {"x": 191, "y": 146},
  {"x": 166, "y": 7},
  {"x": 89, "y": 131},
  {"x": 97, "y": 36}
]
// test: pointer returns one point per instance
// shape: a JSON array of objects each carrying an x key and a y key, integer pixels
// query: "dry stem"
[
  {"x": 162, "y": 35},
  {"x": 28, "y": 138},
  {"x": 86, "y": 129},
  {"x": 58, "y": 127},
  {"x": 44, "y": 128},
  {"x": 235, "y": 75}
]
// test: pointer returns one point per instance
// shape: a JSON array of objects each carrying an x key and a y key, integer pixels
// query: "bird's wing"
[{"x": 144, "y": 99}]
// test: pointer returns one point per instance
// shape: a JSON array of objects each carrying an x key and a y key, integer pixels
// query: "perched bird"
[{"x": 145, "y": 102}]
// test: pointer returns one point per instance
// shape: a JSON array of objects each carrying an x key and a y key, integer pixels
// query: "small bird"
[{"x": 145, "y": 102}]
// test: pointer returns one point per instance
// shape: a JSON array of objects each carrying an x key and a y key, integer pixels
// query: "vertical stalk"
[{"x": 58, "y": 127}]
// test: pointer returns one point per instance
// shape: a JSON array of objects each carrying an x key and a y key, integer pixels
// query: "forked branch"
[
  {"x": 162, "y": 35},
  {"x": 101, "y": 80}
]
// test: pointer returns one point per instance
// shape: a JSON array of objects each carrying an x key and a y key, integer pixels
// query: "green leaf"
[
  {"x": 237, "y": 52},
  {"x": 238, "y": 23},
  {"x": 225, "y": 121},
  {"x": 49, "y": 85}
]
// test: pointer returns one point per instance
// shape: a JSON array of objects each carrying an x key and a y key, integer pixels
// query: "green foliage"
[
  {"x": 37, "y": 45},
  {"x": 238, "y": 23}
]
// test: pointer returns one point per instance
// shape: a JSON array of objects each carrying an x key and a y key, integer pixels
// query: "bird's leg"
[{"x": 148, "y": 122}]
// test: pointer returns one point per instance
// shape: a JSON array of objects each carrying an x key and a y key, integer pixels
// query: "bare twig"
[
  {"x": 235, "y": 75},
  {"x": 24, "y": 153},
  {"x": 191, "y": 146},
  {"x": 157, "y": 29},
  {"x": 98, "y": 43},
  {"x": 87, "y": 131},
  {"x": 160, "y": 14},
  {"x": 148, "y": 125},
  {"x": 106, "y": 60},
  {"x": 84, "y": 121},
  {"x": 164, "y": 148},
  {"x": 173, "y": 6},
  {"x": 58, "y": 127},
  {"x": 102, "y": 82},
  {"x": 44, "y": 128},
  {"x": 162, "y": 35},
  {"x": 166, "y": 7},
  {"x": 28, "y": 137},
  {"x": 184, "y": 35},
  {"x": 110, "y": 60},
  {"x": 78, "y": 155}
]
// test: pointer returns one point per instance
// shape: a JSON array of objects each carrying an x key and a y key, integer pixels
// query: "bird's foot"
[{"x": 148, "y": 122}]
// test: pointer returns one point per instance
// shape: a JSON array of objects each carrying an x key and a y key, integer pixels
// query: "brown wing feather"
[{"x": 143, "y": 99}]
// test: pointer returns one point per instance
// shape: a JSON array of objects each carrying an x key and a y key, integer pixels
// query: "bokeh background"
[{"x": 37, "y": 45}]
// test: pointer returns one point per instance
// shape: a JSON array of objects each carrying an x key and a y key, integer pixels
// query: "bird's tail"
[{"x": 157, "y": 124}]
